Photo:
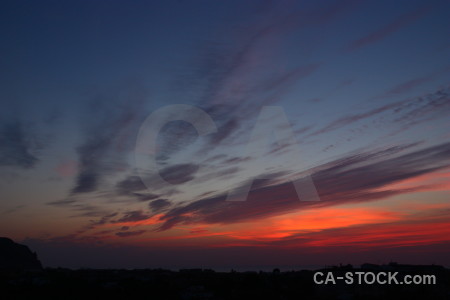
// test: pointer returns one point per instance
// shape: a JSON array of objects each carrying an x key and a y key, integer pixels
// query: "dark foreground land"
[{"x": 207, "y": 284}]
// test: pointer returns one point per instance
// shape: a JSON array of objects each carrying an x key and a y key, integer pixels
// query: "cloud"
[
  {"x": 174, "y": 174},
  {"x": 356, "y": 178},
  {"x": 87, "y": 210},
  {"x": 410, "y": 111},
  {"x": 159, "y": 204},
  {"x": 129, "y": 233},
  {"x": 145, "y": 197},
  {"x": 110, "y": 123},
  {"x": 63, "y": 202},
  {"x": 12, "y": 210},
  {"x": 173, "y": 137},
  {"x": 237, "y": 78},
  {"x": 354, "y": 118},
  {"x": 427, "y": 107},
  {"x": 83, "y": 210},
  {"x": 18, "y": 148},
  {"x": 103, "y": 220},
  {"x": 388, "y": 29},
  {"x": 236, "y": 160},
  {"x": 134, "y": 187},
  {"x": 219, "y": 174},
  {"x": 129, "y": 185},
  {"x": 180, "y": 173},
  {"x": 224, "y": 131},
  {"x": 132, "y": 216},
  {"x": 413, "y": 83},
  {"x": 408, "y": 85}
]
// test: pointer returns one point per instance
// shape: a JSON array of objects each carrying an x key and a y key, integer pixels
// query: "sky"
[{"x": 129, "y": 130}]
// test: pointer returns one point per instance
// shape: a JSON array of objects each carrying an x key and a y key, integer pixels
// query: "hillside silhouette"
[{"x": 14, "y": 256}]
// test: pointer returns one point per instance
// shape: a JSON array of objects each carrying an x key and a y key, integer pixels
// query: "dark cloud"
[
  {"x": 215, "y": 158},
  {"x": 180, "y": 173},
  {"x": 410, "y": 111},
  {"x": 228, "y": 119},
  {"x": 226, "y": 172},
  {"x": 236, "y": 160},
  {"x": 129, "y": 233},
  {"x": 175, "y": 174},
  {"x": 17, "y": 146},
  {"x": 356, "y": 178},
  {"x": 129, "y": 185},
  {"x": 159, "y": 204},
  {"x": 354, "y": 118},
  {"x": 173, "y": 137},
  {"x": 219, "y": 174},
  {"x": 84, "y": 210},
  {"x": 132, "y": 216},
  {"x": 63, "y": 202},
  {"x": 224, "y": 131},
  {"x": 110, "y": 123},
  {"x": 421, "y": 109},
  {"x": 87, "y": 180},
  {"x": 134, "y": 187},
  {"x": 146, "y": 197},
  {"x": 103, "y": 220},
  {"x": 87, "y": 210}
]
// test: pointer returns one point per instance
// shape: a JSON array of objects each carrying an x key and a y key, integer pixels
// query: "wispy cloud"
[
  {"x": 134, "y": 187},
  {"x": 18, "y": 147},
  {"x": 180, "y": 173},
  {"x": 357, "y": 178},
  {"x": 159, "y": 204},
  {"x": 411, "y": 84},
  {"x": 129, "y": 233},
  {"x": 417, "y": 109},
  {"x": 109, "y": 131},
  {"x": 237, "y": 78},
  {"x": 388, "y": 29},
  {"x": 349, "y": 119},
  {"x": 132, "y": 216}
]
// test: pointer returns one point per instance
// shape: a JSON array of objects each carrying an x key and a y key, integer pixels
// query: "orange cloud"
[{"x": 436, "y": 181}]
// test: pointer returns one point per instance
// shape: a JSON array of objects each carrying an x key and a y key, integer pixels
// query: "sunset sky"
[{"x": 364, "y": 85}]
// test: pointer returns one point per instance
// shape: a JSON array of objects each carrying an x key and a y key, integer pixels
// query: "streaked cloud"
[{"x": 18, "y": 147}]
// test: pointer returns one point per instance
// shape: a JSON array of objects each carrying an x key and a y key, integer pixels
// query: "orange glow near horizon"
[{"x": 405, "y": 220}]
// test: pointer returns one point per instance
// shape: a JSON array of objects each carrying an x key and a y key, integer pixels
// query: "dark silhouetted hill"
[
  {"x": 195, "y": 284},
  {"x": 15, "y": 256}
]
